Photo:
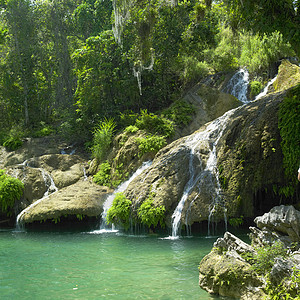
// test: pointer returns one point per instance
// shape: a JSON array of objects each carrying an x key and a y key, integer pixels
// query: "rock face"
[
  {"x": 210, "y": 103},
  {"x": 283, "y": 219},
  {"x": 230, "y": 169},
  {"x": 82, "y": 198},
  {"x": 43, "y": 169},
  {"x": 224, "y": 271},
  {"x": 244, "y": 152}
]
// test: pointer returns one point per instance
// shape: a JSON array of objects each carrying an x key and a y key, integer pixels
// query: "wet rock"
[
  {"x": 288, "y": 76},
  {"x": 82, "y": 198},
  {"x": 210, "y": 103}
]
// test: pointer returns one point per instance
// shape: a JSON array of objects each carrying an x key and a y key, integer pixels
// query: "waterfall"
[
  {"x": 265, "y": 90},
  {"x": 238, "y": 85},
  {"x": 51, "y": 188},
  {"x": 212, "y": 134},
  {"x": 104, "y": 227}
]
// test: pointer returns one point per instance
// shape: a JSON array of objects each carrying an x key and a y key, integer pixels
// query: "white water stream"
[
  {"x": 237, "y": 86},
  {"x": 104, "y": 227},
  {"x": 51, "y": 188}
]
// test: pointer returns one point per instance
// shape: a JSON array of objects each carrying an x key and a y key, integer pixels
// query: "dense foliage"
[
  {"x": 119, "y": 213},
  {"x": 70, "y": 64},
  {"x": 289, "y": 125},
  {"x": 11, "y": 189}
]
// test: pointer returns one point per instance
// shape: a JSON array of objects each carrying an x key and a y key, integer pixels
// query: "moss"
[{"x": 289, "y": 126}]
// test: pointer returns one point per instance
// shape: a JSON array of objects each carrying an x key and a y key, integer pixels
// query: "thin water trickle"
[
  {"x": 104, "y": 227},
  {"x": 51, "y": 188},
  {"x": 265, "y": 90}
]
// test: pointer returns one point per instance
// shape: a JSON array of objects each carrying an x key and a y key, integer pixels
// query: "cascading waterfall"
[
  {"x": 238, "y": 85},
  {"x": 51, "y": 188},
  {"x": 265, "y": 90},
  {"x": 104, "y": 227},
  {"x": 212, "y": 134}
]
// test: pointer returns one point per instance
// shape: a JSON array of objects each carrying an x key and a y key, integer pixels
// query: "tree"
[
  {"x": 267, "y": 17},
  {"x": 22, "y": 33}
]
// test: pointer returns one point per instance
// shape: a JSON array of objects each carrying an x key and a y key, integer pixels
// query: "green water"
[{"x": 93, "y": 266}]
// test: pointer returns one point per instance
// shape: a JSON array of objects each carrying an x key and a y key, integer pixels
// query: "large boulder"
[
  {"x": 209, "y": 103},
  {"x": 236, "y": 269},
  {"x": 224, "y": 272},
  {"x": 82, "y": 198},
  {"x": 282, "y": 219}
]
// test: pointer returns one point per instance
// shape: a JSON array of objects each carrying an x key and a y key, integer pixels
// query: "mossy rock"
[
  {"x": 227, "y": 275},
  {"x": 288, "y": 76}
]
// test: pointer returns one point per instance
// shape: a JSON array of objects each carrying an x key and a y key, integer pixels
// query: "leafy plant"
[
  {"x": 236, "y": 222},
  {"x": 155, "y": 124},
  {"x": 151, "y": 144},
  {"x": 11, "y": 189},
  {"x": 119, "y": 213},
  {"x": 103, "y": 176},
  {"x": 289, "y": 126},
  {"x": 264, "y": 260},
  {"x": 131, "y": 129},
  {"x": 180, "y": 112},
  {"x": 44, "y": 130},
  {"x": 151, "y": 215},
  {"x": 102, "y": 138},
  {"x": 13, "y": 140},
  {"x": 255, "y": 88}
]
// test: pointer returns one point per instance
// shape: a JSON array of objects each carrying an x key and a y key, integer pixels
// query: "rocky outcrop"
[
  {"x": 228, "y": 271},
  {"x": 209, "y": 103},
  {"x": 283, "y": 219},
  {"x": 82, "y": 199},
  {"x": 245, "y": 155}
]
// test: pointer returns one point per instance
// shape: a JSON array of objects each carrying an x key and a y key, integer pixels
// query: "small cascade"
[
  {"x": 238, "y": 85},
  {"x": 85, "y": 178},
  {"x": 265, "y": 90},
  {"x": 212, "y": 134},
  {"x": 51, "y": 188},
  {"x": 104, "y": 227}
]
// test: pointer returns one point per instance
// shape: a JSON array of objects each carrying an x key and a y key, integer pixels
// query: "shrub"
[
  {"x": 12, "y": 143},
  {"x": 194, "y": 70},
  {"x": 13, "y": 140},
  {"x": 180, "y": 112},
  {"x": 151, "y": 144},
  {"x": 11, "y": 189},
  {"x": 103, "y": 176},
  {"x": 131, "y": 129},
  {"x": 264, "y": 260},
  {"x": 155, "y": 124},
  {"x": 119, "y": 213},
  {"x": 255, "y": 88},
  {"x": 150, "y": 215},
  {"x": 258, "y": 52},
  {"x": 103, "y": 135},
  {"x": 44, "y": 130}
]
